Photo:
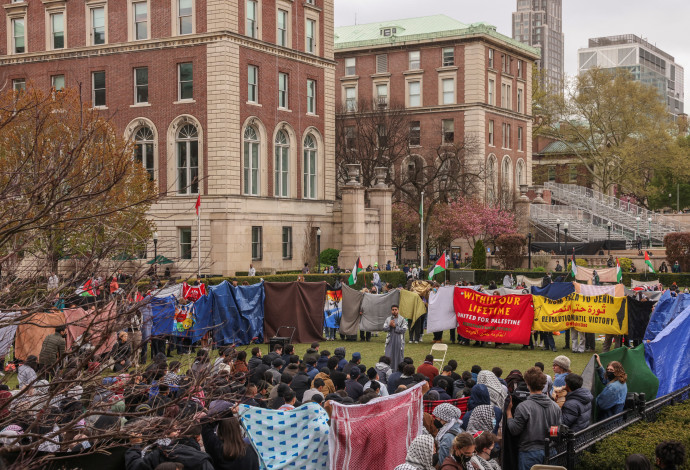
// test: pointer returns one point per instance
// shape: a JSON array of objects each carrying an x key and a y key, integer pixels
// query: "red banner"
[{"x": 497, "y": 318}]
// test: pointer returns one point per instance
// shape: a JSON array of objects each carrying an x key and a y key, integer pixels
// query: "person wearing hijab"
[
  {"x": 447, "y": 421},
  {"x": 420, "y": 454},
  {"x": 480, "y": 397},
  {"x": 497, "y": 391}
]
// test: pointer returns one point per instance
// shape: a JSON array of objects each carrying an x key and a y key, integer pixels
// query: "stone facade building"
[{"x": 229, "y": 99}]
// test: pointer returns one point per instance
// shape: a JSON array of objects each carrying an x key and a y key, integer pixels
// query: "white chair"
[{"x": 440, "y": 348}]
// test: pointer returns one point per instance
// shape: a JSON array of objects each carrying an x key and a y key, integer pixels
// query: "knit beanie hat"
[{"x": 563, "y": 362}]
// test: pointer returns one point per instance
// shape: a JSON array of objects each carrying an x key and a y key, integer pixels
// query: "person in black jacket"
[
  {"x": 300, "y": 383},
  {"x": 121, "y": 352},
  {"x": 577, "y": 409},
  {"x": 227, "y": 448}
]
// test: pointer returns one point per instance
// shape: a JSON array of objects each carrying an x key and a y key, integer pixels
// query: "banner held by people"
[{"x": 601, "y": 314}]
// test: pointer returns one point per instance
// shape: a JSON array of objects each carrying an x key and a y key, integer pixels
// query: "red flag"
[{"x": 198, "y": 204}]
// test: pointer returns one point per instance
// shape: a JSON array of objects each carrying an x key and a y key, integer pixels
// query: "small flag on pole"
[
  {"x": 198, "y": 204},
  {"x": 353, "y": 275},
  {"x": 573, "y": 265},
  {"x": 619, "y": 273},
  {"x": 439, "y": 267},
  {"x": 648, "y": 262}
]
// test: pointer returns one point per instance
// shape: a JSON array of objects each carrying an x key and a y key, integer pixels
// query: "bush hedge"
[{"x": 479, "y": 256}]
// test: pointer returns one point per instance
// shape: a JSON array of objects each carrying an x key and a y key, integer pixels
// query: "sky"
[{"x": 662, "y": 23}]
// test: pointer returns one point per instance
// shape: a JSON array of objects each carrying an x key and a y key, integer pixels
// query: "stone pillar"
[
  {"x": 380, "y": 197},
  {"x": 522, "y": 211},
  {"x": 353, "y": 220}
]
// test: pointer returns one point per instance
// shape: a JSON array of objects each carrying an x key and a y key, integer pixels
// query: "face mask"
[
  {"x": 610, "y": 375},
  {"x": 434, "y": 460},
  {"x": 438, "y": 424},
  {"x": 462, "y": 460}
]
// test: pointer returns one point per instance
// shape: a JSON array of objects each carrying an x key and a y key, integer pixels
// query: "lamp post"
[
  {"x": 649, "y": 238},
  {"x": 565, "y": 240},
  {"x": 318, "y": 246},
  {"x": 155, "y": 251},
  {"x": 608, "y": 227},
  {"x": 529, "y": 250},
  {"x": 558, "y": 234}
]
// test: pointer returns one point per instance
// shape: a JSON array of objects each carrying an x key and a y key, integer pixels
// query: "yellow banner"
[{"x": 601, "y": 314}]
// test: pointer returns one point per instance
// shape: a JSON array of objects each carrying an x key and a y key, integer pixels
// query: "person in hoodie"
[
  {"x": 383, "y": 368},
  {"x": 311, "y": 367},
  {"x": 324, "y": 375},
  {"x": 300, "y": 382},
  {"x": 480, "y": 400},
  {"x": 323, "y": 359},
  {"x": 532, "y": 420},
  {"x": 353, "y": 388},
  {"x": 339, "y": 353},
  {"x": 336, "y": 375},
  {"x": 576, "y": 412},
  {"x": 447, "y": 422},
  {"x": 255, "y": 359}
]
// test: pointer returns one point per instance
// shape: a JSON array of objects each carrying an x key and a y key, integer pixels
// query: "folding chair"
[{"x": 440, "y": 348}]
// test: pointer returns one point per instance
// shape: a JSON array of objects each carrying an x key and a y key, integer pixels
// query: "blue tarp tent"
[
  {"x": 238, "y": 313},
  {"x": 203, "y": 319},
  {"x": 668, "y": 355},
  {"x": 555, "y": 290},
  {"x": 162, "y": 315},
  {"x": 667, "y": 309}
]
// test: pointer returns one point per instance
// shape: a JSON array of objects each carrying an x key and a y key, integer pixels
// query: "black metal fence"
[{"x": 569, "y": 446}]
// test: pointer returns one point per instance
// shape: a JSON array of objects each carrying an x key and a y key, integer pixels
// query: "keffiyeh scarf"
[
  {"x": 448, "y": 413},
  {"x": 496, "y": 390},
  {"x": 419, "y": 454},
  {"x": 482, "y": 419}
]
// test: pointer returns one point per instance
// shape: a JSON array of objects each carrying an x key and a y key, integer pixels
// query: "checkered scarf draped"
[
  {"x": 496, "y": 390},
  {"x": 419, "y": 454},
  {"x": 482, "y": 419},
  {"x": 449, "y": 414}
]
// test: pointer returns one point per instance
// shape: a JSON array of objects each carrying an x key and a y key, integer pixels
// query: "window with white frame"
[
  {"x": 414, "y": 94},
  {"x": 57, "y": 30},
  {"x": 311, "y": 36},
  {"x": 57, "y": 82},
  {"x": 519, "y": 136},
  {"x": 185, "y": 74},
  {"x": 187, "y": 160},
  {"x": 141, "y": 20},
  {"x": 252, "y": 25},
  {"x": 491, "y": 132},
  {"x": 520, "y": 68},
  {"x": 141, "y": 85},
  {"x": 509, "y": 97},
  {"x": 519, "y": 100},
  {"x": 448, "y": 127},
  {"x": 309, "y": 167},
  {"x": 282, "y": 25},
  {"x": 253, "y": 84},
  {"x": 448, "y": 86},
  {"x": 18, "y": 35},
  {"x": 185, "y": 234},
  {"x": 251, "y": 162},
  {"x": 448, "y": 56},
  {"x": 351, "y": 99},
  {"x": 98, "y": 88},
  {"x": 491, "y": 58},
  {"x": 185, "y": 16},
  {"x": 492, "y": 91},
  {"x": 311, "y": 96},
  {"x": 287, "y": 242},
  {"x": 350, "y": 66},
  {"x": 506, "y": 136},
  {"x": 414, "y": 60},
  {"x": 19, "y": 84},
  {"x": 143, "y": 149},
  {"x": 281, "y": 165},
  {"x": 415, "y": 133},
  {"x": 503, "y": 95},
  {"x": 283, "y": 90},
  {"x": 382, "y": 94},
  {"x": 257, "y": 243},
  {"x": 97, "y": 26}
]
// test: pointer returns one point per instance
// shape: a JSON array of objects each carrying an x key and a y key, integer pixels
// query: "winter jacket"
[
  {"x": 384, "y": 371},
  {"x": 532, "y": 420},
  {"x": 327, "y": 380},
  {"x": 576, "y": 412},
  {"x": 348, "y": 367},
  {"x": 611, "y": 400},
  {"x": 451, "y": 464},
  {"x": 393, "y": 381},
  {"x": 52, "y": 350},
  {"x": 428, "y": 369},
  {"x": 214, "y": 447},
  {"x": 300, "y": 384},
  {"x": 354, "y": 389},
  {"x": 191, "y": 458},
  {"x": 322, "y": 362},
  {"x": 254, "y": 362},
  {"x": 121, "y": 351},
  {"x": 442, "y": 394}
]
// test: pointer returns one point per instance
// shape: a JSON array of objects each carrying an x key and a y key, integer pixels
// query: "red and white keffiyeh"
[
  {"x": 193, "y": 293},
  {"x": 376, "y": 434}
]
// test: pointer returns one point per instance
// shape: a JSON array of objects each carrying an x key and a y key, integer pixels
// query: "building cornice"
[
  {"x": 463, "y": 107},
  {"x": 165, "y": 43}
]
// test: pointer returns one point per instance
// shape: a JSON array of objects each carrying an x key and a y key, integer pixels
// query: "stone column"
[
  {"x": 522, "y": 211},
  {"x": 353, "y": 220},
  {"x": 381, "y": 197}
]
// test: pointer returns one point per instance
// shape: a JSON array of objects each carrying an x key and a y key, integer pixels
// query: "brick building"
[
  {"x": 552, "y": 161},
  {"x": 230, "y": 99},
  {"x": 455, "y": 80}
]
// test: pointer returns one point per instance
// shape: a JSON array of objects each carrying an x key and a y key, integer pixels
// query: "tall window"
[
  {"x": 509, "y": 97},
  {"x": 414, "y": 62},
  {"x": 448, "y": 56},
  {"x": 491, "y": 132},
  {"x": 519, "y": 100},
  {"x": 382, "y": 132},
  {"x": 506, "y": 174},
  {"x": 520, "y": 68},
  {"x": 287, "y": 242},
  {"x": 141, "y": 19},
  {"x": 448, "y": 126},
  {"x": 415, "y": 131},
  {"x": 415, "y": 94},
  {"x": 351, "y": 98},
  {"x": 519, "y": 173},
  {"x": 492, "y": 91},
  {"x": 551, "y": 173},
  {"x": 57, "y": 30},
  {"x": 492, "y": 176},
  {"x": 350, "y": 66},
  {"x": 141, "y": 85},
  {"x": 186, "y": 81},
  {"x": 503, "y": 95},
  {"x": 350, "y": 137},
  {"x": 282, "y": 165},
  {"x": 282, "y": 33},
  {"x": 491, "y": 58},
  {"x": 448, "y": 91},
  {"x": 309, "y": 167},
  {"x": 98, "y": 26},
  {"x": 251, "y": 162},
  {"x": 252, "y": 26},
  {"x": 188, "y": 160},
  {"x": 143, "y": 149},
  {"x": 382, "y": 94},
  {"x": 257, "y": 243},
  {"x": 519, "y": 138},
  {"x": 185, "y": 242},
  {"x": 57, "y": 82},
  {"x": 19, "y": 35},
  {"x": 572, "y": 173},
  {"x": 184, "y": 16},
  {"x": 506, "y": 135},
  {"x": 311, "y": 96},
  {"x": 283, "y": 90},
  {"x": 382, "y": 63},
  {"x": 311, "y": 36},
  {"x": 98, "y": 87},
  {"x": 253, "y": 84}
]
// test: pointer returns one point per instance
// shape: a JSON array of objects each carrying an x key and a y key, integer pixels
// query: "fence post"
[
  {"x": 570, "y": 449},
  {"x": 547, "y": 454}
]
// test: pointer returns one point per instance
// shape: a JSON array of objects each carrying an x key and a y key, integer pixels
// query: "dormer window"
[{"x": 388, "y": 31}]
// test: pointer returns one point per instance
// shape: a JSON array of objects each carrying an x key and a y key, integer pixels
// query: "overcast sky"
[{"x": 662, "y": 23}]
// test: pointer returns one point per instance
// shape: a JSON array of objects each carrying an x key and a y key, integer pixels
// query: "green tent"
[
  {"x": 160, "y": 259},
  {"x": 123, "y": 257}
]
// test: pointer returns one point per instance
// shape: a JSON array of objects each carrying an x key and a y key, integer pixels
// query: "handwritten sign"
[
  {"x": 601, "y": 314},
  {"x": 498, "y": 318}
]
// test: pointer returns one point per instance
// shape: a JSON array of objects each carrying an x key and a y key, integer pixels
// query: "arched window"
[
  {"x": 282, "y": 165},
  {"x": 143, "y": 149},
  {"x": 251, "y": 162},
  {"x": 506, "y": 176},
  {"x": 309, "y": 167},
  {"x": 187, "y": 160},
  {"x": 491, "y": 177},
  {"x": 520, "y": 173}
]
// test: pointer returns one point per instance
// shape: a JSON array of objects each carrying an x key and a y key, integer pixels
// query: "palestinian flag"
[
  {"x": 86, "y": 290},
  {"x": 648, "y": 262},
  {"x": 439, "y": 267},
  {"x": 353, "y": 275},
  {"x": 573, "y": 266},
  {"x": 619, "y": 273}
]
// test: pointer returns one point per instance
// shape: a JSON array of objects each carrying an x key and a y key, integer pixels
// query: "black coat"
[
  {"x": 191, "y": 458},
  {"x": 300, "y": 384},
  {"x": 577, "y": 409},
  {"x": 214, "y": 447},
  {"x": 254, "y": 361},
  {"x": 354, "y": 389}
]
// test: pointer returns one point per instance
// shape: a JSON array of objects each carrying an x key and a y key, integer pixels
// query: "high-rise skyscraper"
[{"x": 539, "y": 23}]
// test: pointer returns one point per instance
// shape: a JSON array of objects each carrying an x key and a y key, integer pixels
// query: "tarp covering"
[
  {"x": 376, "y": 308},
  {"x": 411, "y": 306},
  {"x": 441, "y": 311},
  {"x": 238, "y": 313},
  {"x": 99, "y": 326},
  {"x": 555, "y": 290},
  {"x": 175, "y": 289},
  {"x": 162, "y": 315},
  {"x": 7, "y": 332},
  {"x": 601, "y": 314},
  {"x": 605, "y": 275},
  {"x": 653, "y": 295},
  {"x": 666, "y": 310},
  {"x": 251, "y": 301},
  {"x": 352, "y": 305},
  {"x": 333, "y": 308},
  {"x": 617, "y": 290},
  {"x": 32, "y": 332},
  {"x": 529, "y": 282},
  {"x": 292, "y": 439},
  {"x": 638, "y": 317},
  {"x": 298, "y": 304},
  {"x": 669, "y": 354},
  {"x": 634, "y": 283},
  {"x": 203, "y": 318},
  {"x": 375, "y": 435}
]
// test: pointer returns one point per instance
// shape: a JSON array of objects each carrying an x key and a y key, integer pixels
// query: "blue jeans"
[
  {"x": 527, "y": 459},
  {"x": 549, "y": 343}
]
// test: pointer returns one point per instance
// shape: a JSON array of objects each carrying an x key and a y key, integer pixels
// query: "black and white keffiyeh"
[
  {"x": 496, "y": 391},
  {"x": 482, "y": 419},
  {"x": 419, "y": 454},
  {"x": 448, "y": 413}
]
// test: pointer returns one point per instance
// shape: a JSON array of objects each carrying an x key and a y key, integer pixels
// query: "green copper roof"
[{"x": 416, "y": 29}]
